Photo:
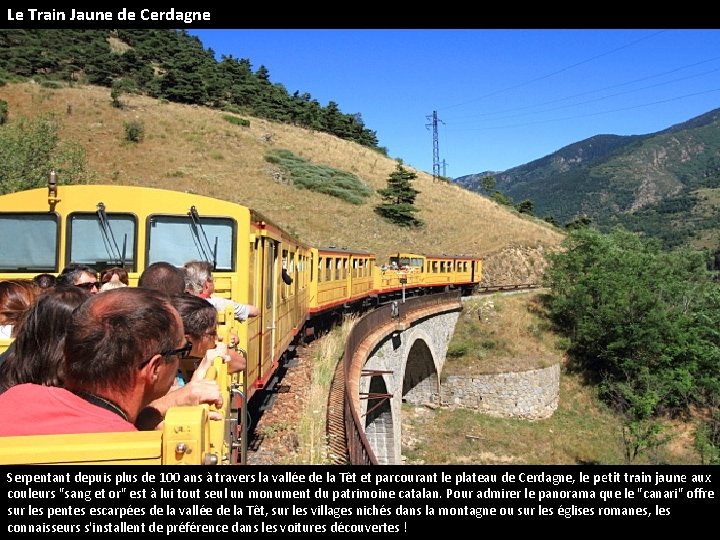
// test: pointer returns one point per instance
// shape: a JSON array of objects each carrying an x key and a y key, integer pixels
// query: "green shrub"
[
  {"x": 134, "y": 131},
  {"x": 237, "y": 121},
  {"x": 51, "y": 84},
  {"x": 319, "y": 178},
  {"x": 458, "y": 349}
]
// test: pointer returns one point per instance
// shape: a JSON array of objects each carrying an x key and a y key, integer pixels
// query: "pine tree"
[{"x": 399, "y": 199}]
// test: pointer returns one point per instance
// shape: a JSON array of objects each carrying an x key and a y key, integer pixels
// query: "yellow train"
[{"x": 255, "y": 261}]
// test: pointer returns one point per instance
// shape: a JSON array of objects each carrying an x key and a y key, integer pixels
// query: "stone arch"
[
  {"x": 379, "y": 421},
  {"x": 420, "y": 382}
]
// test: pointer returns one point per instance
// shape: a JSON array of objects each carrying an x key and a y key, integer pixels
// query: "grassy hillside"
[{"x": 195, "y": 149}]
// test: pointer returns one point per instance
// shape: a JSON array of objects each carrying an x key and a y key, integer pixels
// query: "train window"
[
  {"x": 328, "y": 269},
  {"x": 270, "y": 258},
  {"x": 177, "y": 239},
  {"x": 253, "y": 270},
  {"x": 29, "y": 242},
  {"x": 102, "y": 241}
]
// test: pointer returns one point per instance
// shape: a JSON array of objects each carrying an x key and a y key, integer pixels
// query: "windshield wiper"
[
  {"x": 111, "y": 246},
  {"x": 197, "y": 228}
]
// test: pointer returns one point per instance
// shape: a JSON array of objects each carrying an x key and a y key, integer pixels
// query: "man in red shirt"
[{"x": 122, "y": 351}]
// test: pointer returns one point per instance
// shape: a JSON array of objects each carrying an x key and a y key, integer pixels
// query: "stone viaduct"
[{"x": 400, "y": 359}]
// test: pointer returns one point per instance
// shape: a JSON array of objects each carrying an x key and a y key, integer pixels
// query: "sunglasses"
[
  {"x": 88, "y": 286},
  {"x": 182, "y": 352}
]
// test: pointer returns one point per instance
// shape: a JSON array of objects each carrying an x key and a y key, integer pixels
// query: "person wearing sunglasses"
[
  {"x": 81, "y": 276},
  {"x": 200, "y": 322},
  {"x": 122, "y": 351},
  {"x": 200, "y": 326}
]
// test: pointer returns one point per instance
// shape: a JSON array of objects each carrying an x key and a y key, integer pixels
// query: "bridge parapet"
[{"x": 376, "y": 378}]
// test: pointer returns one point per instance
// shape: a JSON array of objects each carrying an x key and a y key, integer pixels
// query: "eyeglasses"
[
  {"x": 88, "y": 286},
  {"x": 182, "y": 352}
]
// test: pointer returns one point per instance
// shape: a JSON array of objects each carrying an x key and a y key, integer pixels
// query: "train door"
[
  {"x": 254, "y": 324},
  {"x": 268, "y": 309}
]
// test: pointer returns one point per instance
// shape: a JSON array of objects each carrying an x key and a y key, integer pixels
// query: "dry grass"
[
  {"x": 312, "y": 427},
  {"x": 190, "y": 148},
  {"x": 501, "y": 333}
]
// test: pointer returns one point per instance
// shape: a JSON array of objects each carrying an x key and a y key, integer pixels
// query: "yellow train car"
[
  {"x": 342, "y": 277},
  {"x": 418, "y": 273}
]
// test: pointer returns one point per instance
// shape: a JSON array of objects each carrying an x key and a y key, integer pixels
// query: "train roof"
[{"x": 346, "y": 250}]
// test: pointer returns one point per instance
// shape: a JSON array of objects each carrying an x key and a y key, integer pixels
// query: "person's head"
[
  {"x": 114, "y": 274},
  {"x": 45, "y": 281},
  {"x": 113, "y": 284},
  {"x": 37, "y": 354},
  {"x": 164, "y": 277},
  {"x": 124, "y": 345},
  {"x": 199, "y": 322},
  {"x": 16, "y": 297},
  {"x": 199, "y": 278},
  {"x": 81, "y": 276}
]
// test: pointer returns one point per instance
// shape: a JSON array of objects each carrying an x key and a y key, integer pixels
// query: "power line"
[{"x": 561, "y": 70}]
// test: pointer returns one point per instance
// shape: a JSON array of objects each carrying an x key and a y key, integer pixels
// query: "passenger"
[
  {"x": 81, "y": 276},
  {"x": 199, "y": 281},
  {"x": 45, "y": 281},
  {"x": 37, "y": 351},
  {"x": 200, "y": 325},
  {"x": 165, "y": 277},
  {"x": 121, "y": 352},
  {"x": 114, "y": 283},
  {"x": 16, "y": 297},
  {"x": 114, "y": 274}
]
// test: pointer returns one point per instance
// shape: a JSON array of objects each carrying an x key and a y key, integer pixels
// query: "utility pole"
[
  {"x": 436, "y": 150},
  {"x": 444, "y": 169}
]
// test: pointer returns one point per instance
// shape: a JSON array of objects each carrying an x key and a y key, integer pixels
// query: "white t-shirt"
[
  {"x": 241, "y": 310},
  {"x": 6, "y": 330}
]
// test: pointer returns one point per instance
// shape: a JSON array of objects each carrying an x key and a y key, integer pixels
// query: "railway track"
[{"x": 338, "y": 451}]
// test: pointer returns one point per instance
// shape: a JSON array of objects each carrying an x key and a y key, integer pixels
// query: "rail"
[
  {"x": 396, "y": 315},
  {"x": 499, "y": 288}
]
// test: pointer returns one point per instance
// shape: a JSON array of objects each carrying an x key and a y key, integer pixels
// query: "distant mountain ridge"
[{"x": 664, "y": 184}]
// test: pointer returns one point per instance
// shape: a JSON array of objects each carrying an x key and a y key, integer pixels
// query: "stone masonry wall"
[{"x": 531, "y": 395}]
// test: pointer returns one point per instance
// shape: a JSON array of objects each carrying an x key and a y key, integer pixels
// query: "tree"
[
  {"x": 399, "y": 199},
  {"x": 643, "y": 322},
  {"x": 525, "y": 207},
  {"x": 501, "y": 198},
  {"x": 488, "y": 183},
  {"x": 29, "y": 149}
]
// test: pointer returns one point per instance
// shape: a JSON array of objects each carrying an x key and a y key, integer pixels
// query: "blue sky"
[{"x": 503, "y": 97}]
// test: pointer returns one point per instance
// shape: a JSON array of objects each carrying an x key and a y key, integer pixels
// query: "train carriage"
[{"x": 343, "y": 277}]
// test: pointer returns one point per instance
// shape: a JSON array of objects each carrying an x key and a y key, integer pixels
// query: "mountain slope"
[
  {"x": 193, "y": 148},
  {"x": 663, "y": 184}
]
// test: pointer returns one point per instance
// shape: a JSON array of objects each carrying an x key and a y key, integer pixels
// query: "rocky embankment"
[{"x": 515, "y": 265}]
